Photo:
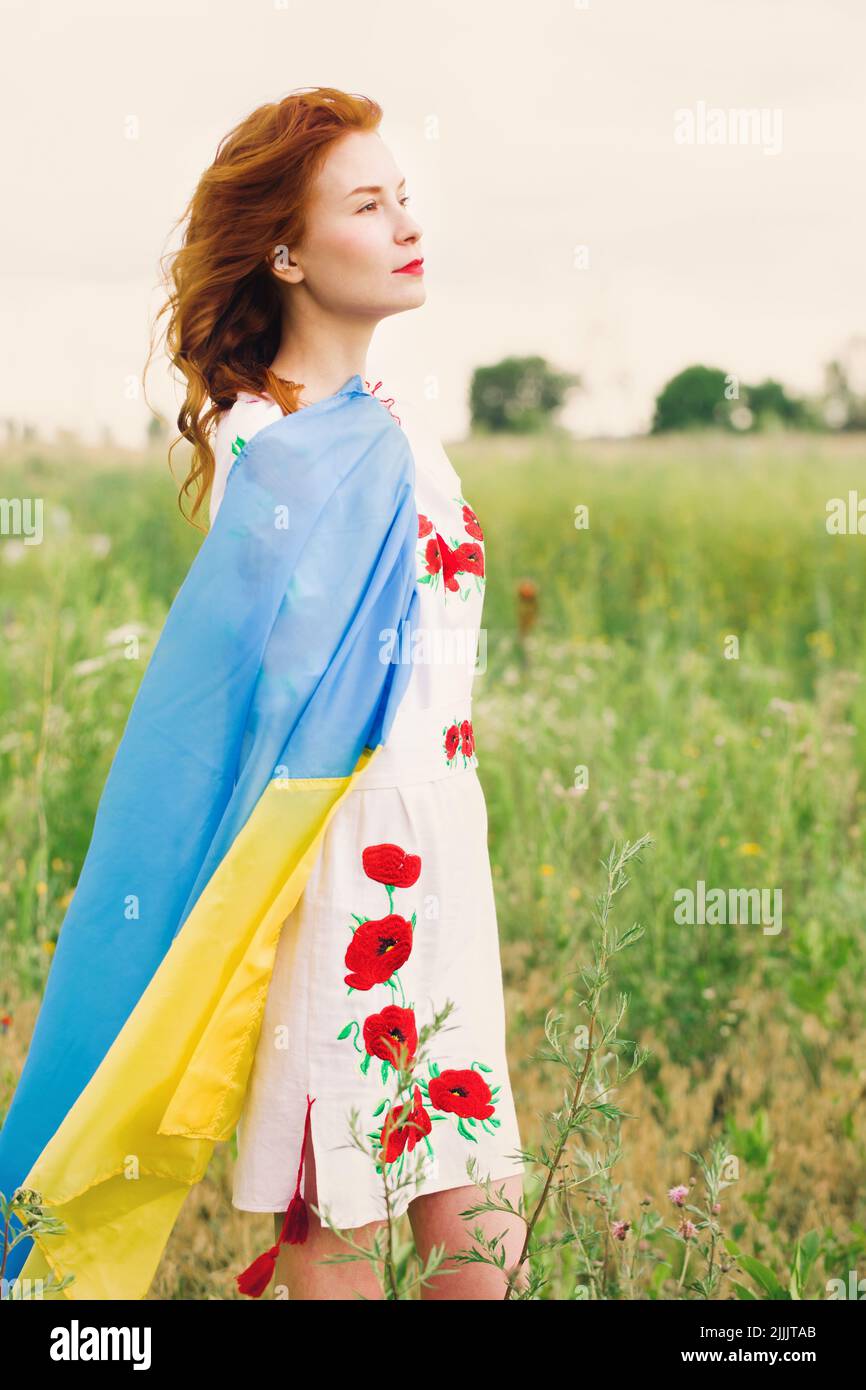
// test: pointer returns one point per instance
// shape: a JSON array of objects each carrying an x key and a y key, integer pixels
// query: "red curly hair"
[{"x": 224, "y": 304}]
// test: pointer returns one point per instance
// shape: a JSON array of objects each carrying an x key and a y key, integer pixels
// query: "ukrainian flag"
[{"x": 272, "y": 687}]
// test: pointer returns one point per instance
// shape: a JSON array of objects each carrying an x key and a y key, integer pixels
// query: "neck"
[{"x": 322, "y": 355}]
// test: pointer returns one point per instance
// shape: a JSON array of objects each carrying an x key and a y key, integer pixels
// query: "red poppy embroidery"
[
  {"x": 467, "y": 736},
  {"x": 425, "y": 525},
  {"x": 451, "y": 561},
  {"x": 463, "y": 1093},
  {"x": 459, "y": 738},
  {"x": 389, "y": 864},
  {"x": 471, "y": 559},
  {"x": 471, "y": 523},
  {"x": 404, "y": 1128},
  {"x": 452, "y": 741},
  {"x": 463, "y": 559},
  {"x": 392, "y": 1036},
  {"x": 433, "y": 556},
  {"x": 378, "y": 948}
]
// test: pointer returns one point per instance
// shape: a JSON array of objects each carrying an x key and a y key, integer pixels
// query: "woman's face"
[{"x": 359, "y": 232}]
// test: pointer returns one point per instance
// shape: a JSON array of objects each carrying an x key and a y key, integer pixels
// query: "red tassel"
[
  {"x": 256, "y": 1277},
  {"x": 296, "y": 1224}
]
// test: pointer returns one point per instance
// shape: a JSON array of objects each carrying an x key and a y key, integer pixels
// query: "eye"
[{"x": 403, "y": 202}]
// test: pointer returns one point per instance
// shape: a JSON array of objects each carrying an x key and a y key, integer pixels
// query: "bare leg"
[
  {"x": 436, "y": 1220},
  {"x": 297, "y": 1271}
]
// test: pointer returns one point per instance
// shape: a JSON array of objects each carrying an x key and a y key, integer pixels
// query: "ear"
[{"x": 281, "y": 264}]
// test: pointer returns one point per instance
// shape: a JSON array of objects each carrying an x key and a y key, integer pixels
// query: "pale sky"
[{"x": 524, "y": 131}]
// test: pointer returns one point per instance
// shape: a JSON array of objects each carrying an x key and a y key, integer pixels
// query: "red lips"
[{"x": 411, "y": 267}]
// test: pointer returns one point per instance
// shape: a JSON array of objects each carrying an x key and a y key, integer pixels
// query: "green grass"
[{"x": 746, "y": 772}]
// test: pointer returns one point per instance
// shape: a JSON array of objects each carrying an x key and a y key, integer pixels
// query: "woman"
[{"x": 299, "y": 241}]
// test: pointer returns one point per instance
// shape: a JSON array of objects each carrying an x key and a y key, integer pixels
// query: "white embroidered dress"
[{"x": 403, "y": 879}]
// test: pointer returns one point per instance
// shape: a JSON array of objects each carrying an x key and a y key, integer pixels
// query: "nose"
[{"x": 411, "y": 231}]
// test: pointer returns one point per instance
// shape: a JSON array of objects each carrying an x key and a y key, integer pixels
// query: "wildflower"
[
  {"x": 822, "y": 641},
  {"x": 687, "y": 1229},
  {"x": 119, "y": 636},
  {"x": 527, "y": 606},
  {"x": 88, "y": 665},
  {"x": 750, "y": 848},
  {"x": 620, "y": 1229},
  {"x": 786, "y": 707},
  {"x": 678, "y": 1194}
]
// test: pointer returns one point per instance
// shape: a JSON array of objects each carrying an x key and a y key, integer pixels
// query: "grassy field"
[{"x": 742, "y": 760}]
